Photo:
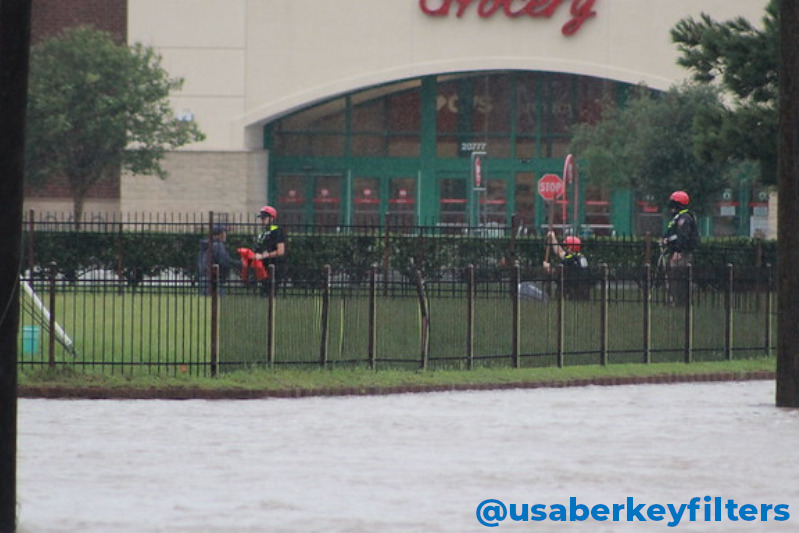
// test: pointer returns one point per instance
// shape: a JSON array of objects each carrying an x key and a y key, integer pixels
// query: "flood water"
[{"x": 406, "y": 463}]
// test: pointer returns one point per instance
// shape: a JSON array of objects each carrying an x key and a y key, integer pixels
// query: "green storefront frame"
[{"x": 367, "y": 187}]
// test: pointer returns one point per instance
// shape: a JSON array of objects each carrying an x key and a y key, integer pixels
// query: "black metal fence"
[
  {"x": 100, "y": 323},
  {"x": 122, "y": 295}
]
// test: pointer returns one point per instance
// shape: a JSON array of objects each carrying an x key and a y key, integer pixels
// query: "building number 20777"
[{"x": 473, "y": 147}]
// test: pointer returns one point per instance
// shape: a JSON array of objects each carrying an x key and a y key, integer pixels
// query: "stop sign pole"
[{"x": 550, "y": 187}]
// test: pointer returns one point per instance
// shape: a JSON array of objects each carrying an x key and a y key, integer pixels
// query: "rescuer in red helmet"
[
  {"x": 270, "y": 245},
  {"x": 574, "y": 263},
  {"x": 679, "y": 242},
  {"x": 682, "y": 232}
]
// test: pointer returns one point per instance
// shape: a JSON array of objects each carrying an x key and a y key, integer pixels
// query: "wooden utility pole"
[
  {"x": 14, "y": 50},
  {"x": 788, "y": 211}
]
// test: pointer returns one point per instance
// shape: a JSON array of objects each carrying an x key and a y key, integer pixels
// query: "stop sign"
[{"x": 550, "y": 186}]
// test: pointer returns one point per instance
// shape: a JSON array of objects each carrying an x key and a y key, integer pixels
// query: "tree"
[
  {"x": 648, "y": 146},
  {"x": 744, "y": 62},
  {"x": 96, "y": 108}
]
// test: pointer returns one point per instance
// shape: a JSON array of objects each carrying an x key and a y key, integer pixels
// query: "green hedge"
[{"x": 140, "y": 254}]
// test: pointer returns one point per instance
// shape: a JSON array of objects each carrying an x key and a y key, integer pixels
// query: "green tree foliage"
[
  {"x": 743, "y": 61},
  {"x": 96, "y": 108},
  {"x": 648, "y": 146}
]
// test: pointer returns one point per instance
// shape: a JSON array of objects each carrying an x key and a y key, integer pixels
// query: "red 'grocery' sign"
[
  {"x": 580, "y": 10},
  {"x": 550, "y": 186}
]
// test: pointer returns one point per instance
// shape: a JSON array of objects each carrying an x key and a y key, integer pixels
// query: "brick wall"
[
  {"x": 59, "y": 188},
  {"x": 198, "y": 182},
  {"x": 49, "y": 17}
]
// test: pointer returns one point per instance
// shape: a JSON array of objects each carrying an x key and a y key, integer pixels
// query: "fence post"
[
  {"x": 425, "y": 333},
  {"x": 515, "y": 341},
  {"x": 31, "y": 244},
  {"x": 470, "y": 316},
  {"x": 603, "y": 331},
  {"x": 325, "y": 318},
  {"x": 386, "y": 255},
  {"x": 121, "y": 260},
  {"x": 769, "y": 281},
  {"x": 689, "y": 313},
  {"x": 647, "y": 313},
  {"x": 373, "y": 318},
  {"x": 759, "y": 272},
  {"x": 514, "y": 222},
  {"x": 728, "y": 324},
  {"x": 209, "y": 259},
  {"x": 52, "y": 323},
  {"x": 561, "y": 325},
  {"x": 420, "y": 255},
  {"x": 270, "y": 325},
  {"x": 213, "y": 287}
]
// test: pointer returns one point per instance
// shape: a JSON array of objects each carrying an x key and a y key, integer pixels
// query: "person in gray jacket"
[{"x": 214, "y": 252}]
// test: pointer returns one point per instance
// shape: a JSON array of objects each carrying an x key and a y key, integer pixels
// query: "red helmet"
[
  {"x": 680, "y": 197},
  {"x": 267, "y": 211},
  {"x": 572, "y": 243}
]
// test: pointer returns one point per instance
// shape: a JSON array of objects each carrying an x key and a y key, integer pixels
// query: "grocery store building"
[{"x": 443, "y": 112}]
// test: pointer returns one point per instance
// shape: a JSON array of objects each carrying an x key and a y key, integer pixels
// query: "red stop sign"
[{"x": 550, "y": 186}]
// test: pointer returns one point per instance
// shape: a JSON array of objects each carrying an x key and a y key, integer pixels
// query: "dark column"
[
  {"x": 14, "y": 46},
  {"x": 788, "y": 214}
]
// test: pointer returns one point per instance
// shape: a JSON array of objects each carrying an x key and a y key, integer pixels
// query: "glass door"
[
  {"x": 494, "y": 203},
  {"x": 453, "y": 203},
  {"x": 327, "y": 201},
  {"x": 366, "y": 202},
  {"x": 291, "y": 204},
  {"x": 402, "y": 202},
  {"x": 524, "y": 201}
]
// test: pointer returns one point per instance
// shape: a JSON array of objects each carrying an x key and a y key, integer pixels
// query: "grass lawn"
[
  {"x": 162, "y": 341},
  {"x": 361, "y": 380}
]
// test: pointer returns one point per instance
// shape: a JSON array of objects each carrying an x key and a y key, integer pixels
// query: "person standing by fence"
[
  {"x": 574, "y": 263},
  {"x": 214, "y": 252},
  {"x": 270, "y": 245},
  {"x": 679, "y": 242}
]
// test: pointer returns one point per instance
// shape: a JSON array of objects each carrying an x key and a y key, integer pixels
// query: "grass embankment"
[{"x": 260, "y": 383}]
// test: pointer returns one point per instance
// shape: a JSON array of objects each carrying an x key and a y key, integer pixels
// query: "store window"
[
  {"x": 559, "y": 115},
  {"x": 327, "y": 201},
  {"x": 453, "y": 203},
  {"x": 494, "y": 203},
  {"x": 528, "y": 110},
  {"x": 597, "y": 211},
  {"x": 473, "y": 109},
  {"x": 649, "y": 219},
  {"x": 524, "y": 201},
  {"x": 402, "y": 202},
  {"x": 593, "y": 97},
  {"x": 366, "y": 203},
  {"x": 316, "y": 132},
  {"x": 386, "y": 121},
  {"x": 291, "y": 199}
]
